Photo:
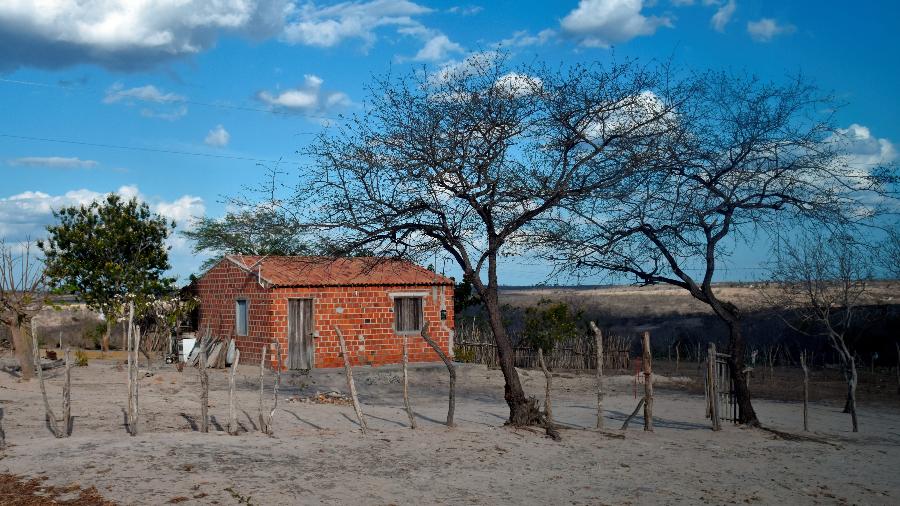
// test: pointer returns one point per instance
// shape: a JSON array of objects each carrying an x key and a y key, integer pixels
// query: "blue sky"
[{"x": 181, "y": 102}]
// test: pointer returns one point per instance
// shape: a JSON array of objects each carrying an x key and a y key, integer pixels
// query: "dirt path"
[{"x": 318, "y": 455}]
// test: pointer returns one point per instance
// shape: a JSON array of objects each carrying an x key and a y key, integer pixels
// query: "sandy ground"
[{"x": 319, "y": 456}]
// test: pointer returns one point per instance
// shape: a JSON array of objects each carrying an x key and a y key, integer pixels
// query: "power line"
[{"x": 144, "y": 149}]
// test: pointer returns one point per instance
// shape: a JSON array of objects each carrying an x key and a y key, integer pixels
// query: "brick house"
[{"x": 298, "y": 301}]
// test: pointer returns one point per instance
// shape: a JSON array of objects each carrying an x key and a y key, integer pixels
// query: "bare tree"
[
  {"x": 461, "y": 161},
  {"x": 740, "y": 158},
  {"x": 822, "y": 279},
  {"x": 22, "y": 295}
]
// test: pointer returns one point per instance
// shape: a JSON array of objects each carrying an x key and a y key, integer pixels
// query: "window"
[
  {"x": 240, "y": 317},
  {"x": 408, "y": 314}
]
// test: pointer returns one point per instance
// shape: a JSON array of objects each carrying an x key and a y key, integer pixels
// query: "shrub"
[
  {"x": 463, "y": 355},
  {"x": 81, "y": 358}
]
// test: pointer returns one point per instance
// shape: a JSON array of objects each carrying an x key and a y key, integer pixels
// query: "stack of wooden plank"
[{"x": 216, "y": 350}]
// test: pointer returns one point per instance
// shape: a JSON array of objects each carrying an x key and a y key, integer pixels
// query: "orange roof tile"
[{"x": 326, "y": 271}]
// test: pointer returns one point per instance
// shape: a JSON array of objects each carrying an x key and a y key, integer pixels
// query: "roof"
[{"x": 296, "y": 271}]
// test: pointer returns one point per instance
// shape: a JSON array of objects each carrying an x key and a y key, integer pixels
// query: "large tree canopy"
[
  {"x": 740, "y": 156},
  {"x": 109, "y": 253},
  {"x": 464, "y": 160}
]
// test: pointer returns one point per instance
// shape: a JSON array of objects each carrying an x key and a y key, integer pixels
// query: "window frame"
[
  {"x": 421, "y": 320},
  {"x": 237, "y": 305}
]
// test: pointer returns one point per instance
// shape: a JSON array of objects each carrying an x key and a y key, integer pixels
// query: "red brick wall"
[{"x": 366, "y": 320}]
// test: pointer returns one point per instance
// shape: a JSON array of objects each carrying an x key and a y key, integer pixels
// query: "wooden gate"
[
  {"x": 301, "y": 351},
  {"x": 721, "y": 401}
]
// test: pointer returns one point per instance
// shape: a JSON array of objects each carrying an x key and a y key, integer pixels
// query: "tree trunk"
[
  {"x": 104, "y": 345},
  {"x": 747, "y": 415},
  {"x": 24, "y": 353},
  {"x": 852, "y": 379},
  {"x": 805, "y": 391},
  {"x": 522, "y": 410}
]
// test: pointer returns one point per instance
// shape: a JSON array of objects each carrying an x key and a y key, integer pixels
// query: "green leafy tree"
[
  {"x": 550, "y": 322},
  {"x": 109, "y": 253},
  {"x": 256, "y": 231}
]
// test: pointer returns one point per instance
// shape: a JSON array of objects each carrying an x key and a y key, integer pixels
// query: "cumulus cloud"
[
  {"x": 517, "y": 85},
  {"x": 466, "y": 66},
  {"x": 765, "y": 29},
  {"x": 469, "y": 10},
  {"x": 217, "y": 137},
  {"x": 864, "y": 151},
  {"x": 723, "y": 15},
  {"x": 125, "y": 34},
  {"x": 53, "y": 162},
  {"x": 329, "y": 26},
  {"x": 437, "y": 48},
  {"x": 307, "y": 98},
  {"x": 601, "y": 23}
]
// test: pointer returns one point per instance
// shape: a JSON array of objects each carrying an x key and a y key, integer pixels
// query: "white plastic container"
[{"x": 187, "y": 345}]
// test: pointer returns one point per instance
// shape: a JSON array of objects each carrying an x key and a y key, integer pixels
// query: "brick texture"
[{"x": 363, "y": 313}]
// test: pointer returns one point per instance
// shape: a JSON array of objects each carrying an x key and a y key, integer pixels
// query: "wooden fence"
[{"x": 472, "y": 344}]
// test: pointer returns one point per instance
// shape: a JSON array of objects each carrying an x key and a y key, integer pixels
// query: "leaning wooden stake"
[
  {"x": 278, "y": 368},
  {"x": 263, "y": 424},
  {"x": 232, "y": 414},
  {"x": 598, "y": 339},
  {"x": 412, "y": 419},
  {"x": 51, "y": 418},
  {"x": 204, "y": 386},
  {"x": 648, "y": 384},
  {"x": 805, "y": 391},
  {"x": 712, "y": 386},
  {"x": 350, "y": 384},
  {"x": 136, "y": 344},
  {"x": 450, "y": 367},
  {"x": 633, "y": 413},
  {"x": 67, "y": 396},
  {"x": 548, "y": 406}
]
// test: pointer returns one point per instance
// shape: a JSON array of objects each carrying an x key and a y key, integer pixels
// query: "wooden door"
[{"x": 301, "y": 351}]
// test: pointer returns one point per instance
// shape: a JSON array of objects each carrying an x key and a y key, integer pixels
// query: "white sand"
[{"x": 318, "y": 455}]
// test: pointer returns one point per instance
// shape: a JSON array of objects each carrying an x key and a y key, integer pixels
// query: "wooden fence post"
[
  {"x": 263, "y": 426},
  {"x": 232, "y": 415},
  {"x": 598, "y": 338},
  {"x": 36, "y": 356},
  {"x": 450, "y": 368},
  {"x": 351, "y": 385},
  {"x": 412, "y": 419},
  {"x": 204, "y": 385},
  {"x": 276, "y": 385},
  {"x": 712, "y": 379},
  {"x": 648, "y": 383},
  {"x": 67, "y": 396},
  {"x": 128, "y": 344},
  {"x": 548, "y": 406},
  {"x": 805, "y": 391}
]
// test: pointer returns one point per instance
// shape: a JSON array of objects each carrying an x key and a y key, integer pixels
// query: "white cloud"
[
  {"x": 126, "y": 34},
  {"x": 54, "y": 162},
  {"x": 470, "y": 10},
  {"x": 518, "y": 85},
  {"x": 307, "y": 98},
  {"x": 158, "y": 103},
  {"x": 329, "y": 26},
  {"x": 723, "y": 15},
  {"x": 148, "y": 93},
  {"x": 523, "y": 38},
  {"x": 765, "y": 29},
  {"x": 864, "y": 151},
  {"x": 437, "y": 48},
  {"x": 601, "y": 23},
  {"x": 217, "y": 137},
  {"x": 468, "y": 66}
]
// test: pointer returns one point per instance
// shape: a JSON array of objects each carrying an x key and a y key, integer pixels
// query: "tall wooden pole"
[
  {"x": 204, "y": 385},
  {"x": 67, "y": 396},
  {"x": 805, "y": 391},
  {"x": 350, "y": 384},
  {"x": 263, "y": 424},
  {"x": 409, "y": 412},
  {"x": 598, "y": 340},
  {"x": 51, "y": 417},
  {"x": 648, "y": 384},
  {"x": 232, "y": 414},
  {"x": 128, "y": 331},
  {"x": 712, "y": 379}
]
